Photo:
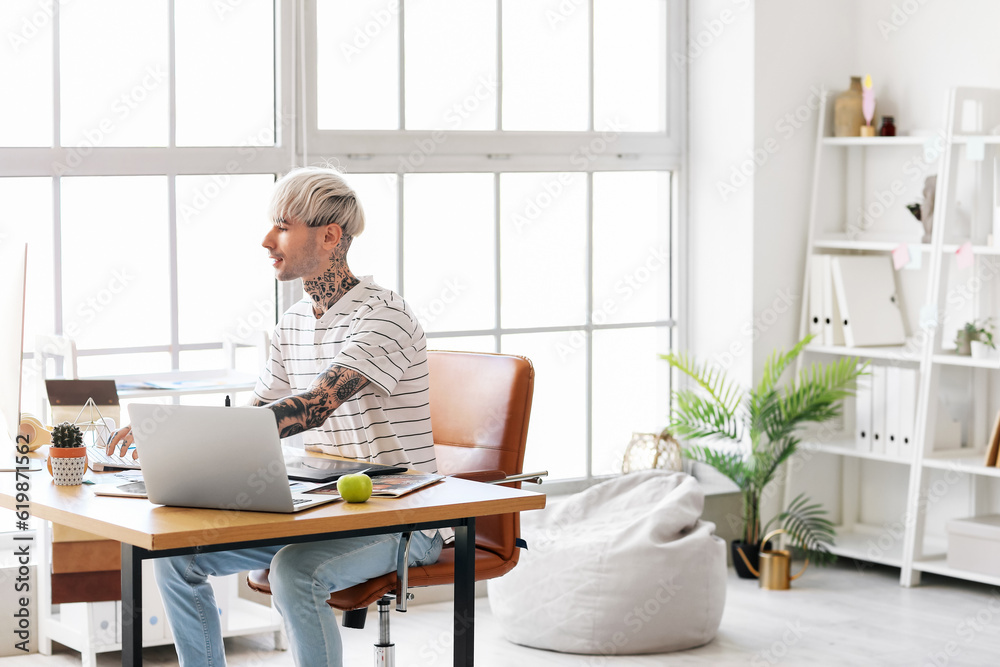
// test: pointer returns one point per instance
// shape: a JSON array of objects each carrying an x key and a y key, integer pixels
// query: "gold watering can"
[{"x": 775, "y": 565}]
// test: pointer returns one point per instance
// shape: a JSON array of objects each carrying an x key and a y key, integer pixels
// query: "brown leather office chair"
[{"x": 480, "y": 405}]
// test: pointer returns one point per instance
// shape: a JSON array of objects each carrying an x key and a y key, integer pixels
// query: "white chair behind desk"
[
  {"x": 62, "y": 351},
  {"x": 260, "y": 340}
]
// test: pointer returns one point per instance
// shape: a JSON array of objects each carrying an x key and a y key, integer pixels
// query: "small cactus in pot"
[{"x": 67, "y": 460}]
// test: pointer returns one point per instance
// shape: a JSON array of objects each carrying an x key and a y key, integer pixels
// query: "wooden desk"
[{"x": 151, "y": 531}]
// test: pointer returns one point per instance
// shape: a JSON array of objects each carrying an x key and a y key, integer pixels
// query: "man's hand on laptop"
[{"x": 120, "y": 441}]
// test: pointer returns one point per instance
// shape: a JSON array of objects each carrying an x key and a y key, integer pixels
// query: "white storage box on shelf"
[{"x": 974, "y": 544}]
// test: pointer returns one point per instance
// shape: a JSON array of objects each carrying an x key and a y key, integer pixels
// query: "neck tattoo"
[{"x": 336, "y": 281}]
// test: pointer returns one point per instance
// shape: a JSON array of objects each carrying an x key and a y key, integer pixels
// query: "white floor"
[{"x": 842, "y": 615}]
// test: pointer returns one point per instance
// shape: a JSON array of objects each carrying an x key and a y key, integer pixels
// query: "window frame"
[
  {"x": 298, "y": 142},
  {"x": 501, "y": 151},
  {"x": 169, "y": 161}
]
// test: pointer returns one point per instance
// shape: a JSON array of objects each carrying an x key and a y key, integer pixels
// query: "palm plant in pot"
[{"x": 760, "y": 427}]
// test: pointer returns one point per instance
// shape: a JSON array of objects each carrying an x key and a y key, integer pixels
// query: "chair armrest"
[
  {"x": 481, "y": 475},
  {"x": 500, "y": 477}
]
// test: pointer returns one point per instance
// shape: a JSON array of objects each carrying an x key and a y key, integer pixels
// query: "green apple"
[{"x": 356, "y": 488}]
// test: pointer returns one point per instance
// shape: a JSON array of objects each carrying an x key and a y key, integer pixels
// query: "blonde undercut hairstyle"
[{"x": 318, "y": 196}]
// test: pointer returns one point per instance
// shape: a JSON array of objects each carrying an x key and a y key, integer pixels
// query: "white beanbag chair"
[{"x": 625, "y": 567}]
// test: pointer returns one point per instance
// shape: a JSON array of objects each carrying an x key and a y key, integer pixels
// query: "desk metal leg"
[
  {"x": 465, "y": 592},
  {"x": 131, "y": 605}
]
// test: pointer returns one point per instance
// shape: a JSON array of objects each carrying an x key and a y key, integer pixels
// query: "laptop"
[{"x": 215, "y": 458}]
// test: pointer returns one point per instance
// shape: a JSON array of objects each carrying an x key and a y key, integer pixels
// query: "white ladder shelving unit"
[{"x": 909, "y": 533}]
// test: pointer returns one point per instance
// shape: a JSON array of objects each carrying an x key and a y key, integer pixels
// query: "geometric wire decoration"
[
  {"x": 652, "y": 451},
  {"x": 97, "y": 427}
]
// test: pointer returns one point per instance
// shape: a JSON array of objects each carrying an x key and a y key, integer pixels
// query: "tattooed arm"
[{"x": 312, "y": 407}]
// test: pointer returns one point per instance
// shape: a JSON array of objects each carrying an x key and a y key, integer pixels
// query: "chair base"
[
  {"x": 385, "y": 650},
  {"x": 385, "y": 656}
]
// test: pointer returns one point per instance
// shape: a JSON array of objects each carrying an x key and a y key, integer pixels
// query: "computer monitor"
[{"x": 13, "y": 273}]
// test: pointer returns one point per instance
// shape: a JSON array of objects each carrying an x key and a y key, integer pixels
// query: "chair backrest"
[
  {"x": 480, "y": 405},
  {"x": 61, "y": 349}
]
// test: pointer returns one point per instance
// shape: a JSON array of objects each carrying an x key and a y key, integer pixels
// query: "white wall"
[
  {"x": 720, "y": 132},
  {"x": 914, "y": 58},
  {"x": 752, "y": 71},
  {"x": 800, "y": 46}
]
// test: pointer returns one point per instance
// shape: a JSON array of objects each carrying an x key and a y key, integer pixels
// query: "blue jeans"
[{"x": 302, "y": 577}]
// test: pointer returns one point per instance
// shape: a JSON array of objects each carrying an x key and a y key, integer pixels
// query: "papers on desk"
[
  {"x": 389, "y": 486},
  {"x": 124, "y": 484},
  {"x": 126, "y": 490},
  {"x": 173, "y": 384}
]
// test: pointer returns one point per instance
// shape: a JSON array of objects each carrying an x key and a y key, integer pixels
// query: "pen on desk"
[{"x": 228, "y": 403}]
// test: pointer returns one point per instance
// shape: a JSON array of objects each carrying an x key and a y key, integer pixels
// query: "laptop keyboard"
[
  {"x": 299, "y": 501},
  {"x": 101, "y": 460}
]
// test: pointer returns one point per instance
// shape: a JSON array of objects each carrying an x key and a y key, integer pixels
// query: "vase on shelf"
[{"x": 847, "y": 115}]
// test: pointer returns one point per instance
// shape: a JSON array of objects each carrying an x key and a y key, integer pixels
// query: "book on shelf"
[{"x": 390, "y": 486}]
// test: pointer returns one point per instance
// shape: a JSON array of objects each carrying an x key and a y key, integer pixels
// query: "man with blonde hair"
[{"x": 348, "y": 370}]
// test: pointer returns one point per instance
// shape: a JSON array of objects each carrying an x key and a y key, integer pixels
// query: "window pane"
[
  {"x": 357, "y": 65},
  {"x": 630, "y": 65},
  {"x": 221, "y": 220},
  {"x": 225, "y": 73},
  {"x": 629, "y": 355},
  {"x": 451, "y": 65},
  {"x": 27, "y": 218},
  {"x": 557, "y": 435},
  {"x": 463, "y": 343},
  {"x": 631, "y": 247},
  {"x": 247, "y": 361},
  {"x": 115, "y": 365},
  {"x": 449, "y": 251},
  {"x": 26, "y": 73},
  {"x": 115, "y": 273},
  {"x": 539, "y": 214},
  {"x": 545, "y": 65},
  {"x": 108, "y": 99},
  {"x": 375, "y": 251}
]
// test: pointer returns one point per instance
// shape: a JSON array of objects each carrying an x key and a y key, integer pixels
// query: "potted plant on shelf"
[
  {"x": 760, "y": 426},
  {"x": 67, "y": 460},
  {"x": 975, "y": 338}
]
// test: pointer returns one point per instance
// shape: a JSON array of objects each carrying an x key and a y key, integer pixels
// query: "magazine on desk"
[{"x": 390, "y": 486}]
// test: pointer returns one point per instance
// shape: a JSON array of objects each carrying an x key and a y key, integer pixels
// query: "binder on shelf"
[
  {"x": 838, "y": 321},
  {"x": 816, "y": 308},
  {"x": 827, "y": 282},
  {"x": 878, "y": 409},
  {"x": 908, "y": 380},
  {"x": 892, "y": 411},
  {"x": 863, "y": 413},
  {"x": 865, "y": 290}
]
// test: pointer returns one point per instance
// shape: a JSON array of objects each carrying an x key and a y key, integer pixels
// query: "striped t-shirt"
[{"x": 372, "y": 331}]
